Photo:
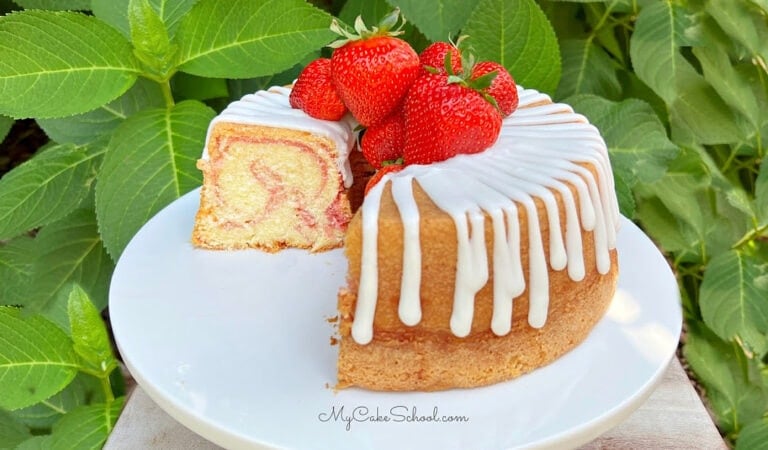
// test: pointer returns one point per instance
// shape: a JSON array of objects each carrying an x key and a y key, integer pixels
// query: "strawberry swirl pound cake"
[
  {"x": 485, "y": 244},
  {"x": 274, "y": 177}
]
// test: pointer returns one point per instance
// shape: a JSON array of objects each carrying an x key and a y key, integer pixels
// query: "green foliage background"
[{"x": 125, "y": 90}]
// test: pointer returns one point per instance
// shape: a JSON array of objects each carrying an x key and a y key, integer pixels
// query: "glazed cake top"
[{"x": 541, "y": 147}]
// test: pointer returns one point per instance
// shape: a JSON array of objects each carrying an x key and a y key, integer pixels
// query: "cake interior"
[{"x": 270, "y": 188}]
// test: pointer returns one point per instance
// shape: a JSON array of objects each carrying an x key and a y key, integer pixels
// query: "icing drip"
[
  {"x": 272, "y": 108},
  {"x": 540, "y": 148}
]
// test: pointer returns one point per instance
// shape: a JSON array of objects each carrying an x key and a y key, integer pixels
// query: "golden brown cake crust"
[{"x": 428, "y": 356}]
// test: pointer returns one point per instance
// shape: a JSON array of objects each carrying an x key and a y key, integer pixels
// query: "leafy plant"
[
  {"x": 126, "y": 90},
  {"x": 680, "y": 92}
]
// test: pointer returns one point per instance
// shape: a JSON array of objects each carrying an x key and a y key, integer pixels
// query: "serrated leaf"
[
  {"x": 721, "y": 368},
  {"x": 655, "y": 47},
  {"x": 739, "y": 20},
  {"x": 732, "y": 85},
  {"x": 36, "y": 359},
  {"x": 55, "y": 64},
  {"x": 45, "y": 188},
  {"x": 12, "y": 432},
  {"x": 754, "y": 436},
  {"x": 84, "y": 128},
  {"x": 15, "y": 268},
  {"x": 700, "y": 113},
  {"x": 115, "y": 13},
  {"x": 87, "y": 427},
  {"x": 639, "y": 153},
  {"x": 624, "y": 194},
  {"x": 83, "y": 390},
  {"x": 151, "y": 162},
  {"x": 89, "y": 335},
  {"x": 150, "y": 39},
  {"x": 68, "y": 251},
  {"x": 518, "y": 35},
  {"x": 587, "y": 69},
  {"x": 667, "y": 231},
  {"x": 732, "y": 302},
  {"x": 245, "y": 39},
  {"x": 55, "y": 5},
  {"x": 440, "y": 20}
]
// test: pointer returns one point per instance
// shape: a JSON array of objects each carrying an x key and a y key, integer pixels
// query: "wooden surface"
[{"x": 673, "y": 417}]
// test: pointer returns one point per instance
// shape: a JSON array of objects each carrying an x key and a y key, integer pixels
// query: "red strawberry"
[
  {"x": 314, "y": 93},
  {"x": 502, "y": 88},
  {"x": 385, "y": 140},
  {"x": 434, "y": 56},
  {"x": 446, "y": 116},
  {"x": 390, "y": 168},
  {"x": 373, "y": 70}
]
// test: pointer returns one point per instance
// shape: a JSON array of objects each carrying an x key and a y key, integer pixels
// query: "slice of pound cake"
[{"x": 273, "y": 177}]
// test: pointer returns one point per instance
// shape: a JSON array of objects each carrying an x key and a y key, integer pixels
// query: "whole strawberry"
[
  {"x": 372, "y": 70},
  {"x": 503, "y": 88},
  {"x": 433, "y": 57},
  {"x": 384, "y": 141},
  {"x": 314, "y": 93},
  {"x": 446, "y": 116}
]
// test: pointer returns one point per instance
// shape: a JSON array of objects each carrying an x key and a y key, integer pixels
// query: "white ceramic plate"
[{"x": 236, "y": 346}]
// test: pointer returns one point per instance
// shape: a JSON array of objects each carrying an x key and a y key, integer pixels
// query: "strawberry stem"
[{"x": 386, "y": 27}]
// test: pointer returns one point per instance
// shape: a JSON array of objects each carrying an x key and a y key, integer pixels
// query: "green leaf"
[
  {"x": 625, "y": 196},
  {"x": 372, "y": 11},
  {"x": 87, "y": 427},
  {"x": 89, "y": 335},
  {"x": 45, "y": 188},
  {"x": 36, "y": 359},
  {"x": 518, "y": 35},
  {"x": 722, "y": 369},
  {"x": 740, "y": 21},
  {"x": 55, "y": 64},
  {"x": 587, "y": 69},
  {"x": 439, "y": 20},
  {"x": 638, "y": 153},
  {"x": 83, "y": 390},
  {"x": 151, "y": 43},
  {"x": 732, "y": 85},
  {"x": 84, "y": 128},
  {"x": 754, "y": 436},
  {"x": 36, "y": 443},
  {"x": 655, "y": 47},
  {"x": 732, "y": 302},
  {"x": 68, "y": 251},
  {"x": 15, "y": 268},
  {"x": 55, "y": 5},
  {"x": 700, "y": 112},
  {"x": 5, "y": 126},
  {"x": 761, "y": 194},
  {"x": 115, "y": 13},
  {"x": 151, "y": 162},
  {"x": 12, "y": 432},
  {"x": 246, "y": 39}
]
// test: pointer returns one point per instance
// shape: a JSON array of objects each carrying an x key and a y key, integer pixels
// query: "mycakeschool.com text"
[{"x": 395, "y": 414}]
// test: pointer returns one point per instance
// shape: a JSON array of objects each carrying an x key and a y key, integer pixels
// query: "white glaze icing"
[
  {"x": 272, "y": 108},
  {"x": 538, "y": 151}
]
